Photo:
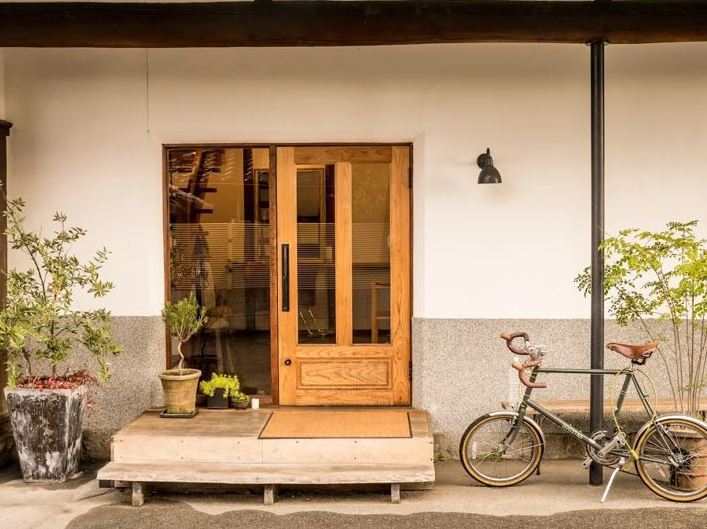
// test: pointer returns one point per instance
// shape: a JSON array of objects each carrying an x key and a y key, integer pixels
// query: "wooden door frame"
[{"x": 274, "y": 240}]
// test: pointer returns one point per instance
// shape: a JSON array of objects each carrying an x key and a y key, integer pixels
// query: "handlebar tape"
[
  {"x": 510, "y": 336},
  {"x": 524, "y": 379}
]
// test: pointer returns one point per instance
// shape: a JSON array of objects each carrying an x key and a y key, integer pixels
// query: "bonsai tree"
[
  {"x": 230, "y": 384},
  {"x": 184, "y": 318},
  {"x": 39, "y": 325},
  {"x": 659, "y": 279}
]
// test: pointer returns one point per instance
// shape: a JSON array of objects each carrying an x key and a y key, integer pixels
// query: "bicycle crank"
[{"x": 604, "y": 455}]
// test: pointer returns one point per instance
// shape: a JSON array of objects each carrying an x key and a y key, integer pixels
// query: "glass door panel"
[
  {"x": 316, "y": 255},
  {"x": 219, "y": 249},
  {"x": 370, "y": 235}
]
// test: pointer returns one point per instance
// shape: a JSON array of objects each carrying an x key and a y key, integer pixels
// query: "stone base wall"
[
  {"x": 134, "y": 384},
  {"x": 462, "y": 369}
]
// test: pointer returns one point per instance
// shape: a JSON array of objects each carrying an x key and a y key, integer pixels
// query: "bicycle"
[{"x": 669, "y": 452}]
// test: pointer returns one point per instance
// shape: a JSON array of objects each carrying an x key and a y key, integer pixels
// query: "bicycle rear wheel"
[
  {"x": 672, "y": 458},
  {"x": 493, "y": 454}
]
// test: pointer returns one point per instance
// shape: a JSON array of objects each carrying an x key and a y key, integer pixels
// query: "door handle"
[
  {"x": 288, "y": 362},
  {"x": 285, "y": 277}
]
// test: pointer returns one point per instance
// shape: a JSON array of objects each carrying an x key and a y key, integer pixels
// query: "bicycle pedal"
[{"x": 587, "y": 463}]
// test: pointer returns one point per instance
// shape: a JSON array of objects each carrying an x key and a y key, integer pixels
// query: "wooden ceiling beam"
[{"x": 346, "y": 23}]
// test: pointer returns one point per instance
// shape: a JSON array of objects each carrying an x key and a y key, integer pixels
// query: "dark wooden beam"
[{"x": 347, "y": 23}]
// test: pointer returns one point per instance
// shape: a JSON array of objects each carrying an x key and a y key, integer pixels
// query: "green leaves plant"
[
  {"x": 229, "y": 383},
  {"x": 662, "y": 276},
  {"x": 39, "y": 323}
]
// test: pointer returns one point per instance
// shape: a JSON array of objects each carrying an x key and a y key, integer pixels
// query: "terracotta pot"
[
  {"x": 47, "y": 426},
  {"x": 696, "y": 477},
  {"x": 180, "y": 390}
]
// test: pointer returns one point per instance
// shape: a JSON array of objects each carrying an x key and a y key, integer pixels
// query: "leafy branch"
[
  {"x": 654, "y": 277},
  {"x": 38, "y": 323}
]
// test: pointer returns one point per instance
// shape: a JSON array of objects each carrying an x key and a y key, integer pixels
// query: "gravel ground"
[{"x": 168, "y": 515}]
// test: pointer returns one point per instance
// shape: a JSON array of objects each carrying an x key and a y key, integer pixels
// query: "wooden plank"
[
  {"x": 188, "y": 449},
  {"x": 343, "y": 352},
  {"x": 400, "y": 273},
  {"x": 395, "y": 493},
  {"x": 347, "y": 451},
  {"x": 287, "y": 234},
  {"x": 225, "y": 423},
  {"x": 578, "y": 406},
  {"x": 138, "y": 494},
  {"x": 344, "y": 374},
  {"x": 420, "y": 424},
  {"x": 347, "y": 23},
  {"x": 343, "y": 245},
  {"x": 308, "y": 155},
  {"x": 300, "y": 474},
  {"x": 274, "y": 281},
  {"x": 269, "y": 494}
]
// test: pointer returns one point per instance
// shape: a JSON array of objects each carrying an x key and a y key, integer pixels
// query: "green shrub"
[
  {"x": 39, "y": 324},
  {"x": 229, "y": 383}
]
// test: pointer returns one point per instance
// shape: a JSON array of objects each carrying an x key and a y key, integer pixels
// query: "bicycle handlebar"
[
  {"x": 510, "y": 336},
  {"x": 534, "y": 360},
  {"x": 524, "y": 378}
]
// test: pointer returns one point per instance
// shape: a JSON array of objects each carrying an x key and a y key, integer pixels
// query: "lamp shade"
[{"x": 489, "y": 174}]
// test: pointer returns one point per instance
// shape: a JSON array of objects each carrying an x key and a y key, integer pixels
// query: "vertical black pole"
[
  {"x": 596, "y": 399},
  {"x": 5, "y": 127}
]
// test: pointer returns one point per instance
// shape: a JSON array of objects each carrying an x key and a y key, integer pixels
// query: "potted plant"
[
  {"x": 220, "y": 389},
  {"x": 659, "y": 279},
  {"x": 184, "y": 318},
  {"x": 42, "y": 331}
]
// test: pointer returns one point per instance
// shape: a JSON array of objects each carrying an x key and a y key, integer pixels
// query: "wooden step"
[
  {"x": 293, "y": 474},
  {"x": 229, "y": 447}
]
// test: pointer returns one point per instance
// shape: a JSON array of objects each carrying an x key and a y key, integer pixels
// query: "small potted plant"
[
  {"x": 41, "y": 332},
  {"x": 240, "y": 400},
  {"x": 220, "y": 389},
  {"x": 184, "y": 318}
]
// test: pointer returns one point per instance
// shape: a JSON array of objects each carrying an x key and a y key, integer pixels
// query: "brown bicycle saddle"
[{"x": 634, "y": 352}]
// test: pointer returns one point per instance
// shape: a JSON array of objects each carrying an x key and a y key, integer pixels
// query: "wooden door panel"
[{"x": 343, "y": 372}]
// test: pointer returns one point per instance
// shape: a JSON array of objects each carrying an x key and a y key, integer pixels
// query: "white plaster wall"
[{"x": 89, "y": 128}]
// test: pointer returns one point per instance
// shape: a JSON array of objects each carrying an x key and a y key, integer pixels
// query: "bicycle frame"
[{"x": 629, "y": 377}]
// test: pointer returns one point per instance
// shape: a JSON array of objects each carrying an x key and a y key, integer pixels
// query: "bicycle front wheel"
[
  {"x": 498, "y": 452},
  {"x": 672, "y": 458}
]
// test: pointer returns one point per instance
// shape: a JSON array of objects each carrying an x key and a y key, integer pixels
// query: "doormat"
[{"x": 335, "y": 424}]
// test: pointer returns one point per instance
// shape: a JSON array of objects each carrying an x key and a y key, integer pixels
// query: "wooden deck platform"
[{"x": 278, "y": 446}]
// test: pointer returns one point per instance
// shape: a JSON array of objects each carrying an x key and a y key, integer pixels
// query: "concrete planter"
[
  {"x": 47, "y": 426},
  {"x": 180, "y": 390}
]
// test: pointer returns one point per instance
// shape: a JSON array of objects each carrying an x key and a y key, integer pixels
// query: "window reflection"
[{"x": 219, "y": 200}]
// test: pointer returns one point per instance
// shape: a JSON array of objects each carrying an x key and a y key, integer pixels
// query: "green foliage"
[
  {"x": 184, "y": 318},
  {"x": 662, "y": 276},
  {"x": 230, "y": 385},
  {"x": 38, "y": 322}
]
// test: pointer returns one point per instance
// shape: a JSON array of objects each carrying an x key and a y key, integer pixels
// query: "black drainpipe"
[{"x": 596, "y": 398}]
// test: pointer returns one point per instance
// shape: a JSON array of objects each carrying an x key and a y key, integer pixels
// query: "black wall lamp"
[{"x": 489, "y": 174}]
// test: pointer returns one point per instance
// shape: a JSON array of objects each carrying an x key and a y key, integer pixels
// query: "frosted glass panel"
[{"x": 370, "y": 187}]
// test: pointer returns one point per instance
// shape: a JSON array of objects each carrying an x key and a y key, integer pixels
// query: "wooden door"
[{"x": 343, "y": 230}]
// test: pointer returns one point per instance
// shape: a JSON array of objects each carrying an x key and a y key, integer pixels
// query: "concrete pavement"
[{"x": 561, "y": 490}]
